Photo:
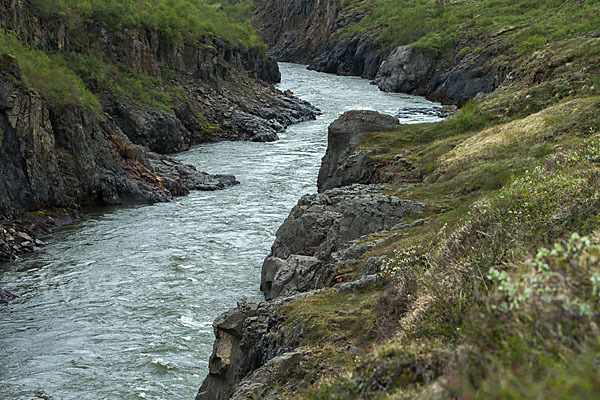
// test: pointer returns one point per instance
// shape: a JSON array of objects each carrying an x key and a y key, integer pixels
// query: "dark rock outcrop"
[
  {"x": 215, "y": 80},
  {"x": 247, "y": 337},
  {"x": 156, "y": 129},
  {"x": 320, "y": 225},
  {"x": 404, "y": 70},
  {"x": 68, "y": 157},
  {"x": 343, "y": 164},
  {"x": 357, "y": 57},
  {"x": 310, "y": 32}
]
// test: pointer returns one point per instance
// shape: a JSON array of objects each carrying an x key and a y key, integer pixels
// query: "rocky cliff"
[
  {"x": 318, "y": 33},
  {"x": 58, "y": 155},
  {"x": 325, "y": 234},
  {"x": 224, "y": 91},
  {"x": 73, "y": 158}
]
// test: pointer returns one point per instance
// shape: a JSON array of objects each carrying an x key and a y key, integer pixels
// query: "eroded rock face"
[
  {"x": 156, "y": 129},
  {"x": 405, "y": 71},
  {"x": 320, "y": 225},
  {"x": 343, "y": 164},
  {"x": 73, "y": 157},
  {"x": 247, "y": 337}
]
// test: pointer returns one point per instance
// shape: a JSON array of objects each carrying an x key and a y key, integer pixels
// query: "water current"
[{"x": 120, "y": 304}]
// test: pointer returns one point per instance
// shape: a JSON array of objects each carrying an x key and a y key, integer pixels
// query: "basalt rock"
[
  {"x": 158, "y": 130},
  {"x": 405, "y": 70},
  {"x": 344, "y": 164},
  {"x": 247, "y": 338},
  {"x": 65, "y": 157},
  {"x": 215, "y": 80},
  {"x": 322, "y": 224}
]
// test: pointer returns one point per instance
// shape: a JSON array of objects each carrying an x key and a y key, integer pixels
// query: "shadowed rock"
[{"x": 344, "y": 164}]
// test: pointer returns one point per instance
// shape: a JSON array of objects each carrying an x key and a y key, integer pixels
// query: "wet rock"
[
  {"x": 343, "y": 164},
  {"x": 322, "y": 224}
]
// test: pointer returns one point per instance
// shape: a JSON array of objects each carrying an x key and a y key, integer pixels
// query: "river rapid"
[{"x": 120, "y": 304}]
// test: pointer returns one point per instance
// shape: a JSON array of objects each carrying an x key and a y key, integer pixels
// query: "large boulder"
[
  {"x": 247, "y": 337},
  {"x": 322, "y": 224},
  {"x": 344, "y": 164},
  {"x": 405, "y": 70}
]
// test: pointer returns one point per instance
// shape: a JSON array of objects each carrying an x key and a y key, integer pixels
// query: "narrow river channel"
[{"x": 120, "y": 304}]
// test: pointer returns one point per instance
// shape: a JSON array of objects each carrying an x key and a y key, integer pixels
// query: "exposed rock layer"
[{"x": 256, "y": 353}]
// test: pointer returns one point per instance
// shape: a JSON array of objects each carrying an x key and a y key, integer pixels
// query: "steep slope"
[{"x": 88, "y": 94}]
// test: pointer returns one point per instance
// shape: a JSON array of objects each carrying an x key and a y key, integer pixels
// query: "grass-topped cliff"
[{"x": 81, "y": 67}]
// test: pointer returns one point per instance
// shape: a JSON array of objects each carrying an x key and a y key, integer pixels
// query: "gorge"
[{"x": 435, "y": 258}]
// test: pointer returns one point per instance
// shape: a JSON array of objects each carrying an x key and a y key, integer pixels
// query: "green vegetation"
[
  {"x": 51, "y": 75},
  {"x": 433, "y": 26},
  {"x": 177, "y": 20}
]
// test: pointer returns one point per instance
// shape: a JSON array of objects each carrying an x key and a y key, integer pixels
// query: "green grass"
[
  {"x": 49, "y": 74},
  {"x": 177, "y": 20},
  {"x": 527, "y": 24}
]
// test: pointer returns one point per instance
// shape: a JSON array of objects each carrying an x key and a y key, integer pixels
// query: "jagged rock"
[
  {"x": 247, "y": 337},
  {"x": 275, "y": 370},
  {"x": 60, "y": 159},
  {"x": 320, "y": 225},
  {"x": 405, "y": 70},
  {"x": 343, "y": 164},
  {"x": 296, "y": 273},
  {"x": 156, "y": 129},
  {"x": 254, "y": 128}
]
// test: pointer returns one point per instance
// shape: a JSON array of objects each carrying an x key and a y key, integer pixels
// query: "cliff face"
[
  {"x": 312, "y": 32},
  {"x": 215, "y": 80},
  {"x": 66, "y": 156},
  {"x": 71, "y": 157}
]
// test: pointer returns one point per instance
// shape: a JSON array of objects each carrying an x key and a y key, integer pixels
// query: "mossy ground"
[{"x": 472, "y": 305}]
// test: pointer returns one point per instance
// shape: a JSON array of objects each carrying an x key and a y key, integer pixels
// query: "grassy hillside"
[
  {"x": 435, "y": 26},
  {"x": 498, "y": 294},
  {"x": 179, "y": 20}
]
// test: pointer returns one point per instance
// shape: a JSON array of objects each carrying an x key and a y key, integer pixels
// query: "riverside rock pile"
[{"x": 14, "y": 242}]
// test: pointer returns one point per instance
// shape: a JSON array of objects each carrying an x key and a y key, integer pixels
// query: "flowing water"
[{"x": 120, "y": 304}]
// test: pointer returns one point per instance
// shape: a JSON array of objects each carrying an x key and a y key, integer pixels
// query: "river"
[{"x": 120, "y": 304}]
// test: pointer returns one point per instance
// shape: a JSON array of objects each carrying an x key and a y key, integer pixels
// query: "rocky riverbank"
[
  {"x": 325, "y": 234},
  {"x": 58, "y": 156}
]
